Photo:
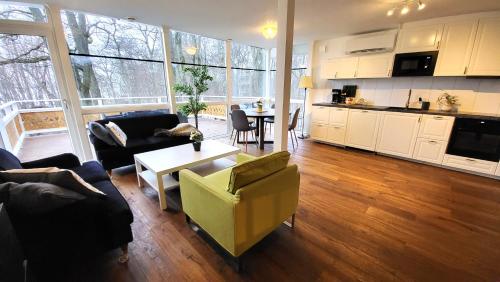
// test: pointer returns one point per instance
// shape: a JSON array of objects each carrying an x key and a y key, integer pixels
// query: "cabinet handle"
[
  {"x": 356, "y": 74},
  {"x": 438, "y": 118},
  {"x": 432, "y": 142},
  {"x": 364, "y": 111},
  {"x": 419, "y": 119},
  {"x": 470, "y": 160},
  {"x": 335, "y": 74},
  {"x": 439, "y": 43},
  {"x": 465, "y": 70},
  {"x": 337, "y": 127},
  {"x": 389, "y": 73}
]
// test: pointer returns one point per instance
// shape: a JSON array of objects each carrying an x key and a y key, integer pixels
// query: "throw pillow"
[
  {"x": 101, "y": 133},
  {"x": 117, "y": 133},
  {"x": 253, "y": 170},
  {"x": 182, "y": 129},
  {"x": 36, "y": 198},
  {"x": 52, "y": 175}
]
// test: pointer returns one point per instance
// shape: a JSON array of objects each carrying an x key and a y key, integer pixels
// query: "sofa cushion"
[
  {"x": 101, "y": 133},
  {"x": 117, "y": 133},
  {"x": 35, "y": 198},
  {"x": 8, "y": 160},
  {"x": 144, "y": 126},
  {"x": 116, "y": 206},
  {"x": 250, "y": 171},
  {"x": 91, "y": 172}
]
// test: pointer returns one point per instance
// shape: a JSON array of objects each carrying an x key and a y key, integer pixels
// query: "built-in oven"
[
  {"x": 475, "y": 138},
  {"x": 415, "y": 64}
]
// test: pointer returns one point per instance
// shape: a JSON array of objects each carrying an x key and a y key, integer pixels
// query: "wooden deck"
[{"x": 361, "y": 217}]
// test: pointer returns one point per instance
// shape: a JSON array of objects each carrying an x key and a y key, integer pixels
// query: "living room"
[{"x": 305, "y": 140}]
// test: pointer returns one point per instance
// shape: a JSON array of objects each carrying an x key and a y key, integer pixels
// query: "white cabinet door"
[
  {"x": 344, "y": 67},
  {"x": 319, "y": 131},
  {"x": 372, "y": 66},
  {"x": 327, "y": 70},
  {"x": 419, "y": 38},
  {"x": 436, "y": 127},
  {"x": 338, "y": 116},
  {"x": 398, "y": 134},
  {"x": 428, "y": 150},
  {"x": 320, "y": 114},
  {"x": 498, "y": 170},
  {"x": 336, "y": 134},
  {"x": 362, "y": 128},
  {"x": 470, "y": 164},
  {"x": 456, "y": 48},
  {"x": 485, "y": 58}
]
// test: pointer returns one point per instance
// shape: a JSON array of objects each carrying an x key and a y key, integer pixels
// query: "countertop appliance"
[
  {"x": 475, "y": 138},
  {"x": 336, "y": 96},
  {"x": 347, "y": 91},
  {"x": 415, "y": 64}
]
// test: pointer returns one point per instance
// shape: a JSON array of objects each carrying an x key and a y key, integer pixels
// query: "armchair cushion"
[
  {"x": 250, "y": 171},
  {"x": 8, "y": 160}
]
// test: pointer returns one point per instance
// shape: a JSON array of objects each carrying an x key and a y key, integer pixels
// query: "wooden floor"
[{"x": 360, "y": 217}]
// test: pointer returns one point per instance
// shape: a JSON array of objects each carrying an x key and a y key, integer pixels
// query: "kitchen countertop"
[{"x": 413, "y": 111}]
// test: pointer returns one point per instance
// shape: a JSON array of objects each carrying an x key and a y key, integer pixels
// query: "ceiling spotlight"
[
  {"x": 390, "y": 12},
  {"x": 269, "y": 30},
  {"x": 421, "y": 5},
  {"x": 405, "y": 10},
  {"x": 191, "y": 50},
  {"x": 131, "y": 19}
]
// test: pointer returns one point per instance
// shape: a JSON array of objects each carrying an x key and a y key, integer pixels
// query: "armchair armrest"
[{"x": 65, "y": 161}]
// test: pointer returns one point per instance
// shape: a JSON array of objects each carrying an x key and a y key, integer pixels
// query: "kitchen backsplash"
[{"x": 474, "y": 95}]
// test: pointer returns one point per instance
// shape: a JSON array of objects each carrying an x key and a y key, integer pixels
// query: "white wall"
[{"x": 475, "y": 95}]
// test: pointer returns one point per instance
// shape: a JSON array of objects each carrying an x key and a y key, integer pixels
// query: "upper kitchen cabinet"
[
  {"x": 419, "y": 38},
  {"x": 339, "y": 68},
  {"x": 373, "y": 66},
  {"x": 485, "y": 58},
  {"x": 456, "y": 48}
]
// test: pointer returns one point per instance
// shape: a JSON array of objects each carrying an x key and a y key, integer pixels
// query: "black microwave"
[{"x": 415, "y": 64}]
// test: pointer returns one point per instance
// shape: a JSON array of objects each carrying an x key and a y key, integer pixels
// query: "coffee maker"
[
  {"x": 336, "y": 96},
  {"x": 347, "y": 91}
]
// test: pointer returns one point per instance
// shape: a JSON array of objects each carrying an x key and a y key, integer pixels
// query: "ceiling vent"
[{"x": 369, "y": 43}]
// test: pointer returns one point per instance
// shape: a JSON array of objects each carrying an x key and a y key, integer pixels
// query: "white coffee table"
[{"x": 160, "y": 163}]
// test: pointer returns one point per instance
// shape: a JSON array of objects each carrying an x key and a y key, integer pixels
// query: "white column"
[
  {"x": 168, "y": 69},
  {"x": 308, "y": 107},
  {"x": 67, "y": 86},
  {"x": 229, "y": 83},
  {"x": 286, "y": 10},
  {"x": 268, "y": 76}
]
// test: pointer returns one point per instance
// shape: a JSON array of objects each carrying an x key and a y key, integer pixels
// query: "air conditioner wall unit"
[{"x": 369, "y": 43}]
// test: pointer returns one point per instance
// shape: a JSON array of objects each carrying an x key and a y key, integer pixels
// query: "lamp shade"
[{"x": 306, "y": 82}]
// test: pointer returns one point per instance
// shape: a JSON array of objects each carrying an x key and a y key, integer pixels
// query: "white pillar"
[
  {"x": 168, "y": 69},
  {"x": 229, "y": 83},
  {"x": 308, "y": 107},
  {"x": 67, "y": 86},
  {"x": 286, "y": 10},
  {"x": 268, "y": 77}
]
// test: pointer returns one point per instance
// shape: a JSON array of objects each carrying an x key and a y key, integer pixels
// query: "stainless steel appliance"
[
  {"x": 475, "y": 138},
  {"x": 336, "y": 96},
  {"x": 415, "y": 64}
]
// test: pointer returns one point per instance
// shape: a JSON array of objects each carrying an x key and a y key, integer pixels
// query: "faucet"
[{"x": 408, "y": 101}]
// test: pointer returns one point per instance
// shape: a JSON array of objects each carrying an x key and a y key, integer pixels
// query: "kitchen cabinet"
[
  {"x": 419, "y": 38},
  {"x": 342, "y": 68},
  {"x": 436, "y": 127},
  {"x": 362, "y": 128},
  {"x": 319, "y": 131},
  {"x": 338, "y": 116},
  {"x": 373, "y": 66},
  {"x": 498, "y": 170},
  {"x": 398, "y": 134},
  {"x": 428, "y": 150},
  {"x": 320, "y": 114},
  {"x": 485, "y": 58},
  {"x": 456, "y": 48},
  {"x": 327, "y": 70},
  {"x": 336, "y": 134},
  {"x": 471, "y": 164}
]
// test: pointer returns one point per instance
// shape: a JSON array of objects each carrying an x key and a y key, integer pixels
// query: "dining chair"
[
  {"x": 237, "y": 107},
  {"x": 292, "y": 126},
  {"x": 240, "y": 124}
]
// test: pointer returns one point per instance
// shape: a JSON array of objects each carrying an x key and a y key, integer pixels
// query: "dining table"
[{"x": 259, "y": 117}]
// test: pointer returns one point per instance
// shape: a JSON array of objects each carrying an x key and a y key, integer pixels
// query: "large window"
[
  {"x": 249, "y": 71},
  {"x": 22, "y": 12},
  {"x": 115, "y": 61},
  {"x": 194, "y": 50},
  {"x": 299, "y": 67}
]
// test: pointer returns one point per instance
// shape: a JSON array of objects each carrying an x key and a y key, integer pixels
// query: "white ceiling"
[{"x": 240, "y": 20}]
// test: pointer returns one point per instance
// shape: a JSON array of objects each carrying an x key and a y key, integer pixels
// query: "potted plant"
[
  {"x": 200, "y": 78},
  {"x": 196, "y": 137},
  {"x": 447, "y": 102},
  {"x": 260, "y": 104}
]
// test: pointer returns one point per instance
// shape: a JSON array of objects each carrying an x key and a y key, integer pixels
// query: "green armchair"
[{"x": 239, "y": 206}]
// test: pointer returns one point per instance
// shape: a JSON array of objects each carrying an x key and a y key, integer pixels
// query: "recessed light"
[
  {"x": 131, "y": 19},
  {"x": 405, "y": 10}
]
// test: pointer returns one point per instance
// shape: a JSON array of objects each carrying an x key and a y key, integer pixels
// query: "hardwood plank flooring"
[{"x": 361, "y": 216}]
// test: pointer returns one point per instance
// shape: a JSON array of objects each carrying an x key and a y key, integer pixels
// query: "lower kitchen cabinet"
[
  {"x": 319, "y": 131},
  {"x": 362, "y": 128},
  {"x": 398, "y": 134},
  {"x": 428, "y": 150},
  {"x": 498, "y": 170},
  {"x": 336, "y": 134},
  {"x": 470, "y": 164}
]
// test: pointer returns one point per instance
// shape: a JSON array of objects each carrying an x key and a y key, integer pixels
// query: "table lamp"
[{"x": 305, "y": 82}]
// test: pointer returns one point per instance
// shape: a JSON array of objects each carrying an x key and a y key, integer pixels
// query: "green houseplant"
[
  {"x": 447, "y": 102},
  {"x": 194, "y": 90},
  {"x": 196, "y": 137}
]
